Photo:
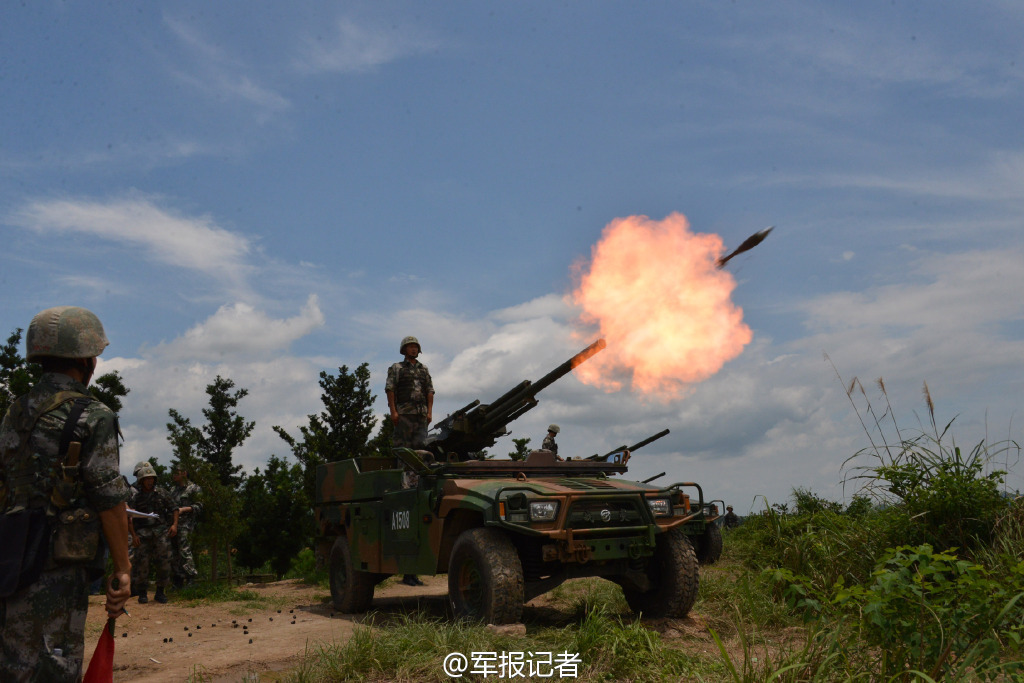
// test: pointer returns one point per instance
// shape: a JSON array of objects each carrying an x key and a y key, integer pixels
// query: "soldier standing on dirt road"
[
  {"x": 42, "y": 619},
  {"x": 410, "y": 393},
  {"x": 152, "y": 537},
  {"x": 186, "y": 496}
]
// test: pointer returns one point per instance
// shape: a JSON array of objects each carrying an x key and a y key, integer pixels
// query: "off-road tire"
[
  {"x": 674, "y": 576},
  {"x": 485, "y": 577},
  {"x": 351, "y": 590},
  {"x": 709, "y": 545}
]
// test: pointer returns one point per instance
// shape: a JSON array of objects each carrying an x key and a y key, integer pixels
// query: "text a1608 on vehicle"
[{"x": 507, "y": 531}]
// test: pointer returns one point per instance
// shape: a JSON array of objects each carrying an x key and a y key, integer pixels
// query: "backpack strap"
[
  {"x": 68, "y": 454},
  {"x": 23, "y": 421}
]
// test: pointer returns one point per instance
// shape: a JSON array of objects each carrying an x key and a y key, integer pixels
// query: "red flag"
[{"x": 101, "y": 666}]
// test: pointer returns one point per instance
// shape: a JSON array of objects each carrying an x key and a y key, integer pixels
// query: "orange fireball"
[{"x": 655, "y": 292}]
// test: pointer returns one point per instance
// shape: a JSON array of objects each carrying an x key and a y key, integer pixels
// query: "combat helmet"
[
  {"x": 554, "y": 428},
  {"x": 406, "y": 342},
  {"x": 145, "y": 471},
  {"x": 65, "y": 332}
]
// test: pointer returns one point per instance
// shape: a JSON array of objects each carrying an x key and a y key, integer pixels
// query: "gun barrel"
[
  {"x": 648, "y": 440},
  {"x": 567, "y": 367},
  {"x": 499, "y": 413}
]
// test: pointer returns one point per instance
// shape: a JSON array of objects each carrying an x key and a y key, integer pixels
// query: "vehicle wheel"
[
  {"x": 674, "y": 576},
  {"x": 351, "y": 590},
  {"x": 709, "y": 545},
  {"x": 485, "y": 577}
]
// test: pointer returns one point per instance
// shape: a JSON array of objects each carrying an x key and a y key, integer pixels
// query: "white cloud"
[
  {"x": 357, "y": 48},
  {"x": 217, "y": 73},
  {"x": 238, "y": 330},
  {"x": 192, "y": 243}
]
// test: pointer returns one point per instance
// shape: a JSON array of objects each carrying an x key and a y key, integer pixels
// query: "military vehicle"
[{"x": 507, "y": 531}]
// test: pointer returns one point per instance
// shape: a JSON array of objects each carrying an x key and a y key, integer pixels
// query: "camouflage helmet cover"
[
  {"x": 65, "y": 332},
  {"x": 406, "y": 341},
  {"x": 138, "y": 466},
  {"x": 145, "y": 471},
  {"x": 554, "y": 428}
]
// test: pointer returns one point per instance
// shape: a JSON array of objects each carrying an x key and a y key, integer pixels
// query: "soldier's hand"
[
  {"x": 173, "y": 531},
  {"x": 394, "y": 416},
  {"x": 119, "y": 589},
  {"x": 136, "y": 541}
]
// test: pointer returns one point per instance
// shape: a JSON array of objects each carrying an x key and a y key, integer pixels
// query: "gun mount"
[{"x": 477, "y": 426}]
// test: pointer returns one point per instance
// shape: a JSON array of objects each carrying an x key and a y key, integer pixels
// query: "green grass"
[{"x": 413, "y": 648}]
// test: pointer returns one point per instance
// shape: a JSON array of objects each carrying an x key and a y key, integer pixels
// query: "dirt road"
[{"x": 224, "y": 641}]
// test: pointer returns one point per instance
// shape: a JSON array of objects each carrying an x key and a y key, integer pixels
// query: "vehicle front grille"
[{"x": 601, "y": 514}]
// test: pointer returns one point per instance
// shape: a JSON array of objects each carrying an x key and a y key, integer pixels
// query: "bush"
[{"x": 933, "y": 612}]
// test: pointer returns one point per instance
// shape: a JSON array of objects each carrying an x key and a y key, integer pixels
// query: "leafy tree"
[
  {"x": 381, "y": 442},
  {"x": 16, "y": 374},
  {"x": 109, "y": 389},
  {"x": 522, "y": 449},
  {"x": 224, "y": 431},
  {"x": 279, "y": 516},
  {"x": 341, "y": 430},
  {"x": 206, "y": 452}
]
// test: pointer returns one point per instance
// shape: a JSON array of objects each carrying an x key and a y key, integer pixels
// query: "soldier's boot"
[
  {"x": 160, "y": 597},
  {"x": 143, "y": 598}
]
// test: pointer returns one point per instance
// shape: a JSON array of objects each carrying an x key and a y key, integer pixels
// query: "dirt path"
[{"x": 224, "y": 641}]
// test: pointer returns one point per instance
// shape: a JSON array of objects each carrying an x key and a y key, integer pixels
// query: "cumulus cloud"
[
  {"x": 354, "y": 48},
  {"x": 239, "y": 329},
  {"x": 195, "y": 243},
  {"x": 944, "y": 323}
]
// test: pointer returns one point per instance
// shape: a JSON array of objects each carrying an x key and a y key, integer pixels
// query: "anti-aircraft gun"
[{"x": 477, "y": 426}]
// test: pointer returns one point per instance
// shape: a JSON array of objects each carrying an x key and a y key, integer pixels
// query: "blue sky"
[{"x": 267, "y": 190}]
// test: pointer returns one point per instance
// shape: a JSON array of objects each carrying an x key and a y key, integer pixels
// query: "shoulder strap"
[
  {"x": 81, "y": 402},
  {"x": 24, "y": 422}
]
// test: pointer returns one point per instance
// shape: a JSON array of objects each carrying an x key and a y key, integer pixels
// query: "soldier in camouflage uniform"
[
  {"x": 549, "y": 440},
  {"x": 186, "y": 496},
  {"x": 152, "y": 537},
  {"x": 410, "y": 393},
  {"x": 42, "y": 624}
]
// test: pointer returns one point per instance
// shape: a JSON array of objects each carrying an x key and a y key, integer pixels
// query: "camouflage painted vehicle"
[{"x": 506, "y": 531}]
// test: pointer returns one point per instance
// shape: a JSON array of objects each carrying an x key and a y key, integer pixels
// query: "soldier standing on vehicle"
[
  {"x": 152, "y": 537},
  {"x": 59, "y": 466},
  {"x": 731, "y": 521},
  {"x": 549, "y": 440},
  {"x": 186, "y": 496},
  {"x": 410, "y": 393}
]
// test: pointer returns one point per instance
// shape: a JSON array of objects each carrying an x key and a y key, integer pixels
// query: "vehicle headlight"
[
  {"x": 661, "y": 507},
  {"x": 543, "y": 510}
]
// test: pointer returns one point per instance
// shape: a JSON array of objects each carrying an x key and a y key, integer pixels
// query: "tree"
[
  {"x": 342, "y": 430},
  {"x": 279, "y": 517},
  {"x": 521, "y": 451},
  {"x": 224, "y": 431},
  {"x": 109, "y": 389},
  {"x": 206, "y": 452},
  {"x": 16, "y": 374}
]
